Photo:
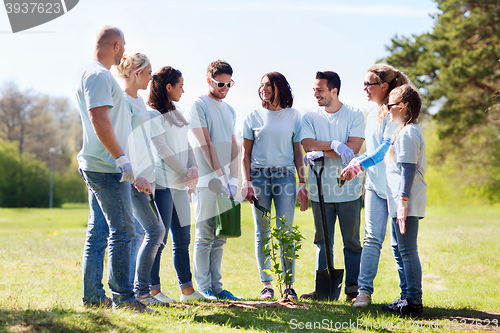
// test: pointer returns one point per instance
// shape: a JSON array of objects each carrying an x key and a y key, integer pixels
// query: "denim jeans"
[
  {"x": 173, "y": 206},
  {"x": 278, "y": 185},
  {"x": 154, "y": 234},
  {"x": 110, "y": 215},
  {"x": 348, "y": 214},
  {"x": 376, "y": 214},
  {"x": 404, "y": 247},
  {"x": 208, "y": 248},
  {"x": 136, "y": 244}
]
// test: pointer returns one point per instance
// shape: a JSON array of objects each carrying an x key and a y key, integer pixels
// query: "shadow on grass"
[
  {"x": 55, "y": 320},
  {"x": 318, "y": 317}
]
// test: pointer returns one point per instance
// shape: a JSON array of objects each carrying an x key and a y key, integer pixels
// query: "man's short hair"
[
  {"x": 332, "y": 78},
  {"x": 219, "y": 67},
  {"x": 107, "y": 36}
]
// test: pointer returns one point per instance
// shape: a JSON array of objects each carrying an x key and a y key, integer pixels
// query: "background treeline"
[{"x": 456, "y": 68}]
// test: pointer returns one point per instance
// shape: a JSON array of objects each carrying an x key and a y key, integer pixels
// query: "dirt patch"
[{"x": 282, "y": 303}]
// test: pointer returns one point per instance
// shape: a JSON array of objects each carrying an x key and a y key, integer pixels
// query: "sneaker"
[
  {"x": 267, "y": 293},
  {"x": 209, "y": 295},
  {"x": 351, "y": 297},
  {"x": 407, "y": 308},
  {"x": 311, "y": 296},
  {"x": 164, "y": 298},
  {"x": 106, "y": 303},
  {"x": 137, "y": 307},
  {"x": 291, "y": 293},
  {"x": 362, "y": 301},
  {"x": 195, "y": 297},
  {"x": 391, "y": 307},
  {"x": 227, "y": 295},
  {"x": 150, "y": 300}
]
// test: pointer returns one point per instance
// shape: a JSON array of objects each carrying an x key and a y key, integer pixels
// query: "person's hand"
[
  {"x": 225, "y": 185},
  {"x": 351, "y": 171},
  {"x": 125, "y": 167},
  {"x": 312, "y": 155},
  {"x": 143, "y": 185},
  {"x": 233, "y": 187},
  {"x": 346, "y": 153},
  {"x": 302, "y": 197},
  {"x": 247, "y": 191},
  {"x": 191, "y": 180},
  {"x": 402, "y": 213}
]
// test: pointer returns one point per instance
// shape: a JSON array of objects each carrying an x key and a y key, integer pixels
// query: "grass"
[{"x": 40, "y": 279}]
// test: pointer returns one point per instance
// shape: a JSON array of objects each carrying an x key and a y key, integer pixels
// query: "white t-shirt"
[
  {"x": 176, "y": 138},
  {"x": 140, "y": 146},
  {"x": 323, "y": 126},
  {"x": 99, "y": 88},
  {"x": 219, "y": 118},
  {"x": 375, "y": 132},
  {"x": 409, "y": 147},
  {"x": 273, "y": 134}
]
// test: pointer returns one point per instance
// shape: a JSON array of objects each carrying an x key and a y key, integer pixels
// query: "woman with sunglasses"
[
  {"x": 176, "y": 173},
  {"x": 380, "y": 80},
  {"x": 271, "y": 153}
]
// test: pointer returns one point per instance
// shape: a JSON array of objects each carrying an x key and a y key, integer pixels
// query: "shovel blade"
[{"x": 328, "y": 285}]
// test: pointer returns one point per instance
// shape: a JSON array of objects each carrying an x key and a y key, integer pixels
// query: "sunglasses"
[
  {"x": 222, "y": 84},
  {"x": 368, "y": 84},
  {"x": 389, "y": 106}
]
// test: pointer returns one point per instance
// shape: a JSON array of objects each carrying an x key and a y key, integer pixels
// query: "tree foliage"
[{"x": 457, "y": 68}]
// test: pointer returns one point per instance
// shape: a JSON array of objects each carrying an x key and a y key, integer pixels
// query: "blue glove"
[
  {"x": 233, "y": 187},
  {"x": 225, "y": 185},
  {"x": 123, "y": 163},
  {"x": 346, "y": 153},
  {"x": 312, "y": 155}
]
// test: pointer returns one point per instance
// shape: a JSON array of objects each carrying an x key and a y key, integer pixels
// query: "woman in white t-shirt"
[
  {"x": 271, "y": 153},
  {"x": 176, "y": 173},
  {"x": 136, "y": 71}
]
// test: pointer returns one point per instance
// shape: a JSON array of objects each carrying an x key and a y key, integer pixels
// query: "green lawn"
[{"x": 40, "y": 280}]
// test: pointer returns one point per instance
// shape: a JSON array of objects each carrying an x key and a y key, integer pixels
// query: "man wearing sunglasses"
[
  {"x": 212, "y": 135},
  {"x": 336, "y": 131}
]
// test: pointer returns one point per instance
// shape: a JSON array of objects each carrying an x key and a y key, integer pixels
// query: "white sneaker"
[
  {"x": 150, "y": 300},
  {"x": 362, "y": 300},
  {"x": 164, "y": 298},
  {"x": 193, "y": 297}
]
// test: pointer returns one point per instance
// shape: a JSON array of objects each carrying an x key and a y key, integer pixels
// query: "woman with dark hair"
[
  {"x": 176, "y": 173},
  {"x": 271, "y": 153}
]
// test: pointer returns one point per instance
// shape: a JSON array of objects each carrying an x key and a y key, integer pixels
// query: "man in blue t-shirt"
[
  {"x": 336, "y": 131},
  {"x": 107, "y": 172},
  {"x": 212, "y": 126}
]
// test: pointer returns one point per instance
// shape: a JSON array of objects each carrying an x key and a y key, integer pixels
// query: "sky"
[{"x": 294, "y": 37}]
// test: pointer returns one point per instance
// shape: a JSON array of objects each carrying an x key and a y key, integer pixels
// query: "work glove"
[
  {"x": 346, "y": 153},
  {"x": 247, "y": 191},
  {"x": 125, "y": 167},
  {"x": 233, "y": 187},
  {"x": 143, "y": 185},
  {"x": 402, "y": 213},
  {"x": 351, "y": 171},
  {"x": 312, "y": 155},
  {"x": 302, "y": 197}
]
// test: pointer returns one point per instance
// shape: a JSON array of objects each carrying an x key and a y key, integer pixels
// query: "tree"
[{"x": 457, "y": 68}]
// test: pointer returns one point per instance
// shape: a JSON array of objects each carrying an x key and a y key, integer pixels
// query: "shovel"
[{"x": 329, "y": 280}]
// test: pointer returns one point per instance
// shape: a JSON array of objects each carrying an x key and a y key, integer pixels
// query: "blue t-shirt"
[
  {"x": 219, "y": 118},
  {"x": 375, "y": 132},
  {"x": 409, "y": 147},
  {"x": 323, "y": 126},
  {"x": 99, "y": 88},
  {"x": 273, "y": 134}
]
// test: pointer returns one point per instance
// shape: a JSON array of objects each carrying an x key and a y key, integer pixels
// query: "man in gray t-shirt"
[{"x": 212, "y": 127}]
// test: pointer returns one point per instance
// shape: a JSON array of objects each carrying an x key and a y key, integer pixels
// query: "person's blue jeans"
[
  {"x": 110, "y": 215},
  {"x": 173, "y": 206},
  {"x": 348, "y": 214},
  {"x": 154, "y": 234},
  {"x": 136, "y": 245},
  {"x": 279, "y": 185},
  {"x": 376, "y": 214},
  {"x": 404, "y": 247},
  {"x": 208, "y": 248}
]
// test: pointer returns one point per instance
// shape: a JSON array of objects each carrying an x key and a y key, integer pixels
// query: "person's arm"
[
  {"x": 310, "y": 144},
  {"x": 104, "y": 130},
  {"x": 377, "y": 156},
  {"x": 247, "y": 190},
  {"x": 233, "y": 166},
  {"x": 167, "y": 155},
  {"x": 298, "y": 159},
  {"x": 202, "y": 135},
  {"x": 408, "y": 171}
]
